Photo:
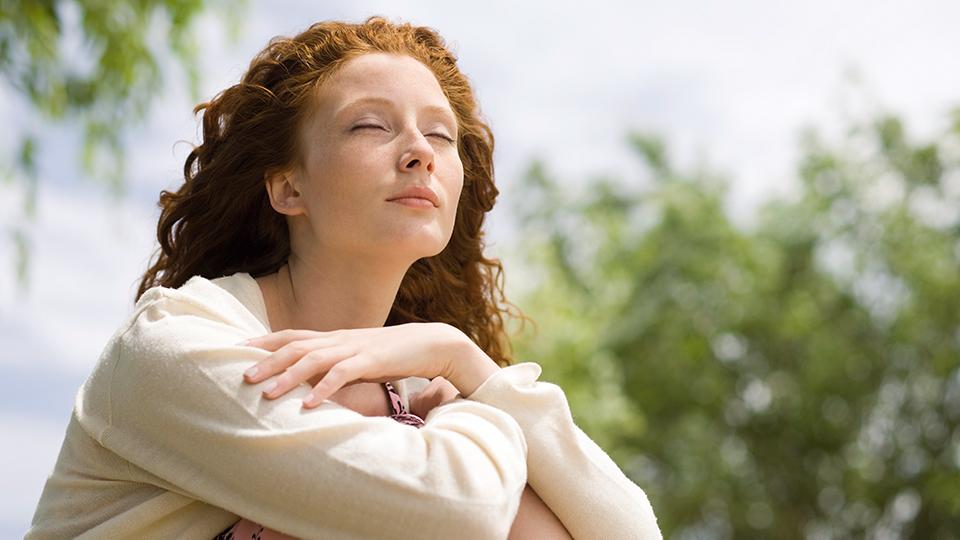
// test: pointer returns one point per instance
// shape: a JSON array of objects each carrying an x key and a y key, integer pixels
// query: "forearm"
[{"x": 534, "y": 521}]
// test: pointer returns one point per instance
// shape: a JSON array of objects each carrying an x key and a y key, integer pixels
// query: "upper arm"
[{"x": 177, "y": 406}]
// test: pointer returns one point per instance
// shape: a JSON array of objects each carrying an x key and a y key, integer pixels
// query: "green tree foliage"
[
  {"x": 94, "y": 64},
  {"x": 797, "y": 378}
]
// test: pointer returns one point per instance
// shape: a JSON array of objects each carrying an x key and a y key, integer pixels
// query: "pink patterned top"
[
  {"x": 255, "y": 531},
  {"x": 400, "y": 413}
]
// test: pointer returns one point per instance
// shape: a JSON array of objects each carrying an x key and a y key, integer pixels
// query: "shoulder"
[
  {"x": 173, "y": 337},
  {"x": 178, "y": 342},
  {"x": 200, "y": 304},
  {"x": 173, "y": 327}
]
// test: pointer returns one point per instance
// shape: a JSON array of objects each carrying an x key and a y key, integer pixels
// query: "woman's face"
[{"x": 381, "y": 125}]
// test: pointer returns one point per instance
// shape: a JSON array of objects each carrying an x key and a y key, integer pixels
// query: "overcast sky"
[{"x": 726, "y": 82}]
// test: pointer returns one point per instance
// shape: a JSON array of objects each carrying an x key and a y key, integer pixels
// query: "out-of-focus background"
[{"x": 737, "y": 225}]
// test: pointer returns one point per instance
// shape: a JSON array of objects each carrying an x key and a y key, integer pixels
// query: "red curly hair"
[{"x": 220, "y": 221}]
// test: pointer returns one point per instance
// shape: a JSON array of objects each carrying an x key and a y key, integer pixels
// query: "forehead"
[{"x": 381, "y": 79}]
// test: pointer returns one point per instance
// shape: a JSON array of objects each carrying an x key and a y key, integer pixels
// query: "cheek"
[
  {"x": 456, "y": 184},
  {"x": 455, "y": 190},
  {"x": 344, "y": 181}
]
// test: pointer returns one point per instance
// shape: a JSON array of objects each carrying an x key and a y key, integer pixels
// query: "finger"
[
  {"x": 314, "y": 362},
  {"x": 275, "y": 340},
  {"x": 351, "y": 369},
  {"x": 283, "y": 358},
  {"x": 315, "y": 365}
]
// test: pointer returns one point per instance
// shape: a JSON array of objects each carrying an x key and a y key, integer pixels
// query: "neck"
[{"x": 334, "y": 294}]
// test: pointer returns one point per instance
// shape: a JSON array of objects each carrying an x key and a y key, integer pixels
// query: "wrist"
[{"x": 469, "y": 367}]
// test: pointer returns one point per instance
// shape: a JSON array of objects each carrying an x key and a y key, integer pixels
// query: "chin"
[
  {"x": 412, "y": 248},
  {"x": 430, "y": 250},
  {"x": 415, "y": 240}
]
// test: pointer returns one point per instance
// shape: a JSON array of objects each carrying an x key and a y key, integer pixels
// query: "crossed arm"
[{"x": 534, "y": 519}]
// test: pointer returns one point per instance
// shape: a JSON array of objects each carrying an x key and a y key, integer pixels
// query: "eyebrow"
[{"x": 386, "y": 101}]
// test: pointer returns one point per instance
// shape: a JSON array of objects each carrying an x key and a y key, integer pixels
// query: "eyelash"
[{"x": 444, "y": 137}]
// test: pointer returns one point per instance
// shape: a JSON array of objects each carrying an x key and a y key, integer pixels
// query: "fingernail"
[
  {"x": 308, "y": 400},
  {"x": 270, "y": 387},
  {"x": 251, "y": 372}
]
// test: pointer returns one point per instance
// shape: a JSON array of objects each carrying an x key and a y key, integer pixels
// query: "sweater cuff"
[{"x": 522, "y": 375}]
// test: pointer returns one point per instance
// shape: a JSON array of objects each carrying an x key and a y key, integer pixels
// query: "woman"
[{"x": 332, "y": 214}]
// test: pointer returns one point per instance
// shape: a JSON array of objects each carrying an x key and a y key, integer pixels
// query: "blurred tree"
[
  {"x": 797, "y": 379},
  {"x": 93, "y": 63}
]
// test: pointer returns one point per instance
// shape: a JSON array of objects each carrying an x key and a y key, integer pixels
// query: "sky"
[{"x": 728, "y": 84}]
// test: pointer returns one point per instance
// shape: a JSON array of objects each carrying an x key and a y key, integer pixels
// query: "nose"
[{"x": 419, "y": 155}]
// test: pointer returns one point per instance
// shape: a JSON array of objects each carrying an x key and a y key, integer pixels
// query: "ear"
[{"x": 282, "y": 190}]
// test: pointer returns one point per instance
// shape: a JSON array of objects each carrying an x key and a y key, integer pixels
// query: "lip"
[{"x": 418, "y": 192}]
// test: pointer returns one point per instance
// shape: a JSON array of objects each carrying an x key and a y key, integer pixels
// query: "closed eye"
[
  {"x": 444, "y": 137},
  {"x": 441, "y": 135}
]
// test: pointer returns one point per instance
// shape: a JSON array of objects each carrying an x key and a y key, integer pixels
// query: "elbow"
[
  {"x": 486, "y": 489},
  {"x": 483, "y": 465},
  {"x": 484, "y": 469}
]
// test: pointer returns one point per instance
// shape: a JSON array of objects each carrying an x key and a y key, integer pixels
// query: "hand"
[
  {"x": 438, "y": 392},
  {"x": 331, "y": 360}
]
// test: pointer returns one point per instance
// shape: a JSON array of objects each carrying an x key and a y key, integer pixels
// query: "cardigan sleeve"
[
  {"x": 578, "y": 480},
  {"x": 168, "y": 396}
]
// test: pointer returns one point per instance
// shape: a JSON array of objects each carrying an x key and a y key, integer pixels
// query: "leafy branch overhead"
[{"x": 95, "y": 64}]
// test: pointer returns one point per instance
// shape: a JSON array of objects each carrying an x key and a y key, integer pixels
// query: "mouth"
[
  {"x": 415, "y": 194},
  {"x": 414, "y": 202}
]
